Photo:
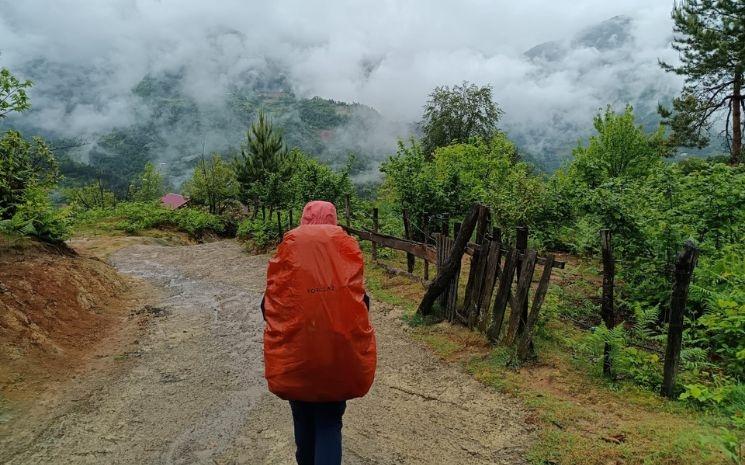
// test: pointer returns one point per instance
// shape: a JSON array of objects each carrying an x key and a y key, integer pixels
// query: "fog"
[{"x": 385, "y": 54}]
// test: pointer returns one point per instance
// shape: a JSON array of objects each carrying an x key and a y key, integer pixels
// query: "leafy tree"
[
  {"x": 12, "y": 93},
  {"x": 24, "y": 165},
  {"x": 621, "y": 149},
  {"x": 213, "y": 184},
  {"x": 709, "y": 36},
  {"x": 313, "y": 180},
  {"x": 457, "y": 114},
  {"x": 148, "y": 186},
  {"x": 264, "y": 165},
  {"x": 93, "y": 195}
]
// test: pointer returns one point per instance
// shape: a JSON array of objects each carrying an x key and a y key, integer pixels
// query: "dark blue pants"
[{"x": 317, "y": 431}]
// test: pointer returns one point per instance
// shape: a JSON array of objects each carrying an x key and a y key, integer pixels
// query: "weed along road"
[{"x": 192, "y": 390}]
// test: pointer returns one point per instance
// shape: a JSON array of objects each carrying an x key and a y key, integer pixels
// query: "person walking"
[{"x": 319, "y": 345}]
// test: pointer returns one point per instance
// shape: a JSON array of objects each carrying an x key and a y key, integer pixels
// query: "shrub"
[
  {"x": 262, "y": 234},
  {"x": 37, "y": 217}
]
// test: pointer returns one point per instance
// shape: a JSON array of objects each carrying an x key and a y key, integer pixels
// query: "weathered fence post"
[
  {"x": 503, "y": 296},
  {"x": 521, "y": 244},
  {"x": 448, "y": 270},
  {"x": 375, "y": 230},
  {"x": 426, "y": 241},
  {"x": 684, "y": 266},
  {"x": 525, "y": 343},
  {"x": 607, "y": 311},
  {"x": 407, "y": 235},
  {"x": 521, "y": 297},
  {"x": 347, "y": 211},
  {"x": 476, "y": 271}
]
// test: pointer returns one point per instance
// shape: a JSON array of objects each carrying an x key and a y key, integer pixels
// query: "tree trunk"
[{"x": 736, "y": 102}]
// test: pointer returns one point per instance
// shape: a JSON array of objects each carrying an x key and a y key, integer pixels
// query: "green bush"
[
  {"x": 263, "y": 234},
  {"x": 135, "y": 217},
  {"x": 37, "y": 217}
]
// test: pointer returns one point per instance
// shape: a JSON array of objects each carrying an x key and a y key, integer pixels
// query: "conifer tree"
[
  {"x": 710, "y": 37},
  {"x": 263, "y": 165}
]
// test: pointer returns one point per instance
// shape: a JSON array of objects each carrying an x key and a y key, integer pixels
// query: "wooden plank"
[
  {"x": 503, "y": 295},
  {"x": 451, "y": 265},
  {"x": 375, "y": 229},
  {"x": 523, "y": 348},
  {"x": 426, "y": 241},
  {"x": 415, "y": 248},
  {"x": 440, "y": 244},
  {"x": 490, "y": 279},
  {"x": 521, "y": 243},
  {"x": 521, "y": 296},
  {"x": 453, "y": 290},
  {"x": 606, "y": 310},
  {"x": 347, "y": 211},
  {"x": 476, "y": 271},
  {"x": 407, "y": 235},
  {"x": 684, "y": 266}
]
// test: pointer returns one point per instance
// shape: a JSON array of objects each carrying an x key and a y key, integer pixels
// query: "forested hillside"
[{"x": 173, "y": 129}]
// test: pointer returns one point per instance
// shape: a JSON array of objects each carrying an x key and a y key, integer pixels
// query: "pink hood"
[{"x": 319, "y": 212}]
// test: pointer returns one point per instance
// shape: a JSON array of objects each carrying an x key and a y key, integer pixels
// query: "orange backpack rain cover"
[{"x": 319, "y": 345}]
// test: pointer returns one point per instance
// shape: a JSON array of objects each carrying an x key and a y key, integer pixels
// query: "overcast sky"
[{"x": 387, "y": 54}]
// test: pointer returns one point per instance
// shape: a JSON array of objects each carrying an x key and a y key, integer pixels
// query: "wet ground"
[{"x": 191, "y": 391}]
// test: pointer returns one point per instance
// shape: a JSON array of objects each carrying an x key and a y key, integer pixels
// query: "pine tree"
[
  {"x": 710, "y": 37},
  {"x": 264, "y": 163}
]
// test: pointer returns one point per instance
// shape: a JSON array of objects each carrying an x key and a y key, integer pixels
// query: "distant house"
[{"x": 174, "y": 201}]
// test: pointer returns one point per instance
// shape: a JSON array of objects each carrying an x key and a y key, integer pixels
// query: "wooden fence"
[
  {"x": 506, "y": 284},
  {"x": 497, "y": 297}
]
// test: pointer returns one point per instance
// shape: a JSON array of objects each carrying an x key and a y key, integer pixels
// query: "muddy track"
[{"x": 193, "y": 392}]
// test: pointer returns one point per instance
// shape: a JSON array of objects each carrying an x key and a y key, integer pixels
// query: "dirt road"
[{"x": 191, "y": 391}]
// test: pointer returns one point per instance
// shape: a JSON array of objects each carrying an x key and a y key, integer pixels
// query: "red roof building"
[{"x": 174, "y": 201}]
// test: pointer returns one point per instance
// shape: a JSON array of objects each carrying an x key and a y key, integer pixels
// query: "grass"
[{"x": 582, "y": 418}]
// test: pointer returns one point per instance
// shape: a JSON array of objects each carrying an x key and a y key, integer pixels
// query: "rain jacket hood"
[{"x": 319, "y": 212}]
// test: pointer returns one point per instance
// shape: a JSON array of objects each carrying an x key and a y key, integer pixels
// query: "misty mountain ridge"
[{"x": 167, "y": 119}]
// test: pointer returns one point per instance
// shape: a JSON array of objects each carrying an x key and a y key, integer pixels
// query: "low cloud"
[{"x": 388, "y": 55}]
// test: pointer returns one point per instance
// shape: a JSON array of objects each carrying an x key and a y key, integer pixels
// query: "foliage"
[
  {"x": 264, "y": 166},
  {"x": 93, "y": 195},
  {"x": 458, "y": 114},
  {"x": 620, "y": 150},
  {"x": 24, "y": 165},
  {"x": 213, "y": 185},
  {"x": 28, "y": 170},
  {"x": 312, "y": 180},
  {"x": 148, "y": 185},
  {"x": 262, "y": 233},
  {"x": 136, "y": 217},
  {"x": 461, "y": 174},
  {"x": 36, "y": 216},
  {"x": 708, "y": 36},
  {"x": 13, "y": 95}
]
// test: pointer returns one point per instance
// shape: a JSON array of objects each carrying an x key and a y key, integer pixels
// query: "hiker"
[{"x": 319, "y": 346}]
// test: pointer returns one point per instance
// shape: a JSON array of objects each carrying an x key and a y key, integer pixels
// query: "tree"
[
  {"x": 263, "y": 165},
  {"x": 620, "y": 149},
  {"x": 93, "y": 195},
  {"x": 148, "y": 186},
  {"x": 457, "y": 114},
  {"x": 24, "y": 166},
  {"x": 710, "y": 37},
  {"x": 213, "y": 184},
  {"x": 12, "y": 93}
]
